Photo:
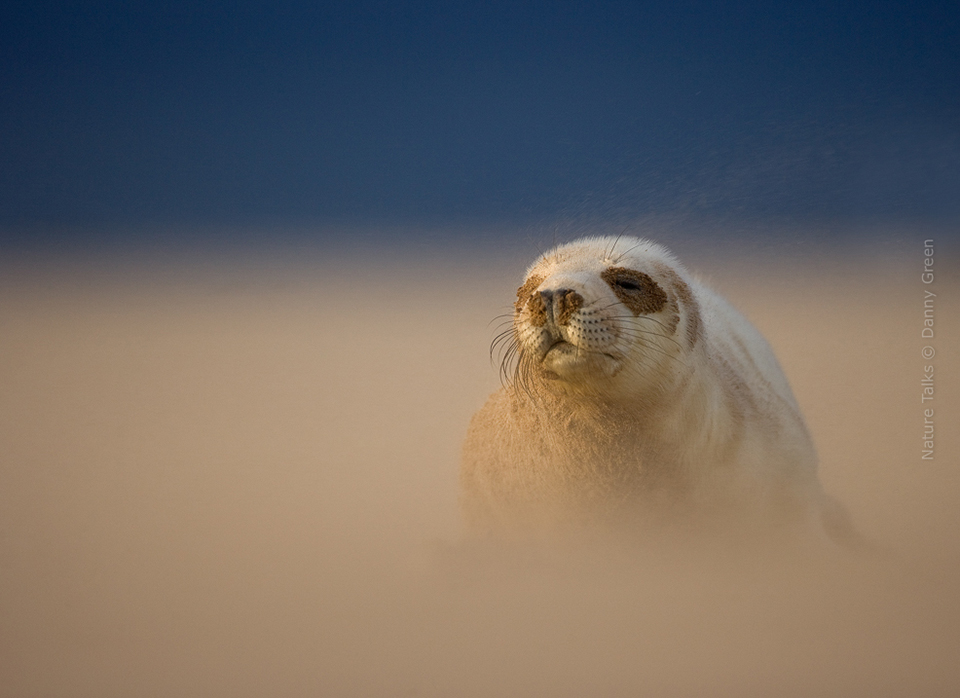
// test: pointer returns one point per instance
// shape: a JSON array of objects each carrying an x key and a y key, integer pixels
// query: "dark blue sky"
[{"x": 119, "y": 114}]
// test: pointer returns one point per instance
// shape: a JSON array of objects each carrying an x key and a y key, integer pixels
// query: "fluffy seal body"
[{"x": 637, "y": 395}]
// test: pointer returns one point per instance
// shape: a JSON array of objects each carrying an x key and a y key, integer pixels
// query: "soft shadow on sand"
[{"x": 241, "y": 480}]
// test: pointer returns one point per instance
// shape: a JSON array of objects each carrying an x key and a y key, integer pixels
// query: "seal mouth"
[
  {"x": 556, "y": 352},
  {"x": 562, "y": 347},
  {"x": 563, "y": 360}
]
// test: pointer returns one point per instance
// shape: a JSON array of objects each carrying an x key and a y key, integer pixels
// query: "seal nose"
[
  {"x": 547, "y": 296},
  {"x": 560, "y": 304}
]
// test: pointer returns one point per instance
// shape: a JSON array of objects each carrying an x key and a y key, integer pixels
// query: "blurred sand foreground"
[{"x": 240, "y": 480}]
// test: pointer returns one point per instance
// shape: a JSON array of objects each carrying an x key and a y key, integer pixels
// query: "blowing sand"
[{"x": 241, "y": 480}]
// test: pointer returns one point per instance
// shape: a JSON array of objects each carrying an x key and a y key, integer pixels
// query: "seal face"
[
  {"x": 630, "y": 384},
  {"x": 584, "y": 314}
]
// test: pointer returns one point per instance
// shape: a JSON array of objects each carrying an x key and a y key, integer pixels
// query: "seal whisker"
[
  {"x": 637, "y": 333},
  {"x": 628, "y": 251},
  {"x": 502, "y": 338},
  {"x": 609, "y": 252},
  {"x": 505, "y": 317}
]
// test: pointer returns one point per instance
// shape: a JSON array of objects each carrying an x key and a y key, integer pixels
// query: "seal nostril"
[
  {"x": 560, "y": 304},
  {"x": 568, "y": 302},
  {"x": 546, "y": 297}
]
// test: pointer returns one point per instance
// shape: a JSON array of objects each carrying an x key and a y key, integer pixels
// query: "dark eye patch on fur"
[{"x": 635, "y": 290}]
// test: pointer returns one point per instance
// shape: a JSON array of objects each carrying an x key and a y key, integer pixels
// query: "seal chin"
[{"x": 565, "y": 362}]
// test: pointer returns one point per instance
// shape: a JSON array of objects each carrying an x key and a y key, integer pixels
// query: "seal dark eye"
[
  {"x": 627, "y": 285},
  {"x": 636, "y": 290}
]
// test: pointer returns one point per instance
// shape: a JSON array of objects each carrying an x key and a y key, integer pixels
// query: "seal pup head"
[{"x": 603, "y": 315}]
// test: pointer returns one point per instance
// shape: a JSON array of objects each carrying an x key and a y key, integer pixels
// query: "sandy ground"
[{"x": 239, "y": 479}]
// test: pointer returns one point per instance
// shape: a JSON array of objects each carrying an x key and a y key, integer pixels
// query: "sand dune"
[{"x": 240, "y": 479}]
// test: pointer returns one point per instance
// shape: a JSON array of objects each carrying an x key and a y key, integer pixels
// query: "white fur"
[{"x": 682, "y": 414}]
